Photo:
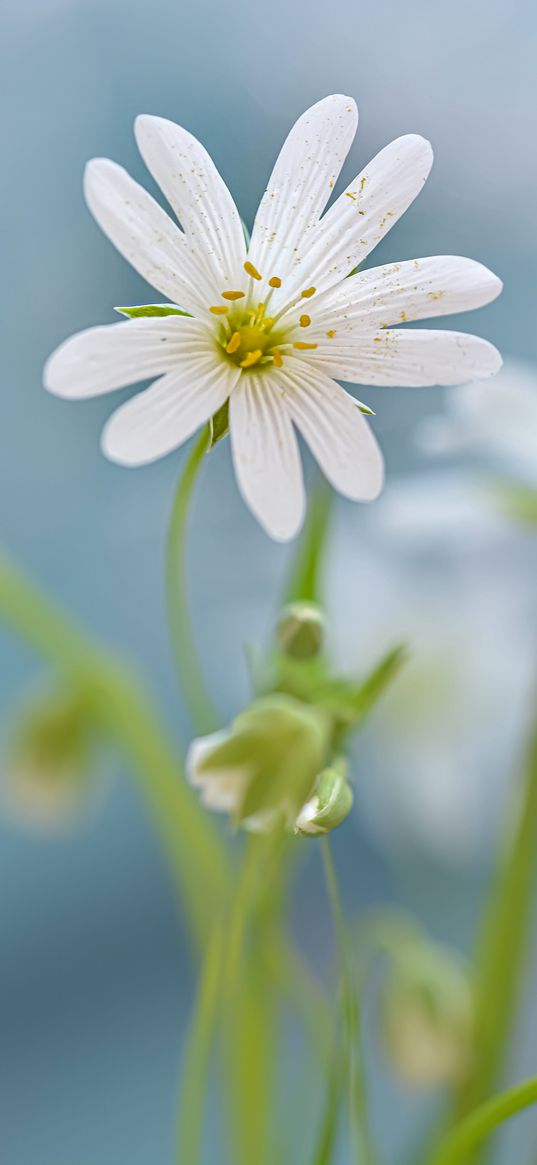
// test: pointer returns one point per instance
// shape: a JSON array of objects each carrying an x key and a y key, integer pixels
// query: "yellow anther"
[
  {"x": 260, "y": 311},
  {"x": 305, "y": 321},
  {"x": 277, "y": 357},
  {"x": 331, "y": 334},
  {"x": 234, "y": 343},
  {"x": 251, "y": 358},
  {"x": 308, "y": 292},
  {"x": 219, "y": 309},
  {"x": 268, "y": 321},
  {"x": 302, "y": 347},
  {"x": 233, "y": 294},
  {"x": 251, "y": 270},
  {"x": 274, "y": 281}
]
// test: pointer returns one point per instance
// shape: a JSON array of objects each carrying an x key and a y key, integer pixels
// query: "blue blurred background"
[{"x": 94, "y": 973}]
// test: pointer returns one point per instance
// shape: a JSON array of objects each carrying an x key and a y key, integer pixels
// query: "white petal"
[
  {"x": 102, "y": 359},
  {"x": 301, "y": 184},
  {"x": 335, "y": 430},
  {"x": 266, "y": 456},
  {"x": 158, "y": 420},
  {"x": 363, "y": 214},
  {"x": 199, "y": 196},
  {"x": 221, "y": 789},
  {"x": 414, "y": 290},
  {"x": 146, "y": 236},
  {"x": 395, "y": 356}
]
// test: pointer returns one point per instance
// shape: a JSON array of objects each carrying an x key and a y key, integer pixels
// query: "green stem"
[
  {"x": 361, "y": 1139},
  {"x": 476, "y": 1128},
  {"x": 503, "y": 945},
  {"x": 197, "y": 1057},
  {"x": 305, "y": 578},
  {"x": 198, "y": 859},
  {"x": 189, "y": 673}
]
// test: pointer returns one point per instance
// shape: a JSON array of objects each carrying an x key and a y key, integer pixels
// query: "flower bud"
[
  {"x": 301, "y": 630},
  {"x": 330, "y": 804},
  {"x": 46, "y": 781},
  {"x": 428, "y": 1015},
  {"x": 263, "y": 768}
]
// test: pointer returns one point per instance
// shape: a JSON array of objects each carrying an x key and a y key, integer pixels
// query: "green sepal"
[
  {"x": 219, "y": 424},
  {"x": 366, "y": 410},
  {"x": 148, "y": 310}
]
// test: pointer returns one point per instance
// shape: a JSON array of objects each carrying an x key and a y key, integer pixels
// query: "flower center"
[{"x": 248, "y": 334}]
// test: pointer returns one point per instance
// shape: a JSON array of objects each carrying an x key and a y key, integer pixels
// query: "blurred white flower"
[
  {"x": 270, "y": 325},
  {"x": 50, "y": 773},
  {"x": 443, "y": 570},
  {"x": 497, "y": 421},
  {"x": 264, "y": 767},
  {"x": 428, "y": 1015}
]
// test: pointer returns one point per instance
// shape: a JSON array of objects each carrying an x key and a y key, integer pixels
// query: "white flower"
[
  {"x": 271, "y": 324},
  {"x": 264, "y": 768},
  {"x": 498, "y": 422},
  {"x": 439, "y": 570}
]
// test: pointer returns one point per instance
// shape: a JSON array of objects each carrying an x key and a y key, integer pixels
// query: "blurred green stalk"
[
  {"x": 120, "y": 704},
  {"x": 502, "y": 946},
  {"x": 361, "y": 1141},
  {"x": 475, "y": 1129}
]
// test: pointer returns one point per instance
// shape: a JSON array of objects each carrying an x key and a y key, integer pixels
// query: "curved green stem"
[
  {"x": 503, "y": 944},
  {"x": 190, "y": 677},
  {"x": 198, "y": 858},
  {"x": 364, "y": 1151},
  {"x": 470, "y": 1133}
]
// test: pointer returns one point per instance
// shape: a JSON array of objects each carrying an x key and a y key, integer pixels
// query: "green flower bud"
[
  {"x": 428, "y": 1015},
  {"x": 263, "y": 768},
  {"x": 301, "y": 630},
  {"x": 330, "y": 804},
  {"x": 47, "y": 780}
]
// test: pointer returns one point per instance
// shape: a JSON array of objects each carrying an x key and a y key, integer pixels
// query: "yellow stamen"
[
  {"x": 268, "y": 321},
  {"x": 305, "y": 321},
  {"x": 219, "y": 309},
  {"x": 234, "y": 343},
  {"x": 274, "y": 281},
  {"x": 251, "y": 358},
  {"x": 302, "y": 347},
  {"x": 331, "y": 334},
  {"x": 251, "y": 270},
  {"x": 277, "y": 357},
  {"x": 233, "y": 294},
  {"x": 260, "y": 311},
  {"x": 308, "y": 292}
]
